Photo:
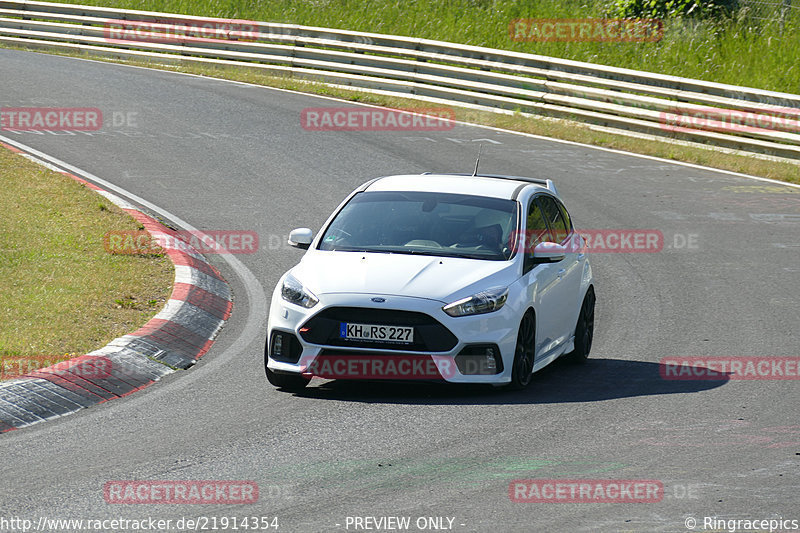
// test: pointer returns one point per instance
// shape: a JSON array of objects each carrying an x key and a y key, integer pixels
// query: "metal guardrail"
[{"x": 739, "y": 118}]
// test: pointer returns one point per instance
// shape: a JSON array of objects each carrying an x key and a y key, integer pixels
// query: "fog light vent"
[
  {"x": 285, "y": 347},
  {"x": 479, "y": 359}
]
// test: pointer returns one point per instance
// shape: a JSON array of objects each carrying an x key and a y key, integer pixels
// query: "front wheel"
[
  {"x": 287, "y": 382},
  {"x": 522, "y": 369},
  {"x": 584, "y": 331}
]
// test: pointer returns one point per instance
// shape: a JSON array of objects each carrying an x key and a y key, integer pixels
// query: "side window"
[
  {"x": 535, "y": 232},
  {"x": 566, "y": 216},
  {"x": 536, "y": 229},
  {"x": 555, "y": 220}
]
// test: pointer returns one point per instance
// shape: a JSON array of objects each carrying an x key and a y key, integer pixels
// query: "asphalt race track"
[{"x": 220, "y": 155}]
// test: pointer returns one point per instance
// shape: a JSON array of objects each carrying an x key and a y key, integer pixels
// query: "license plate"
[{"x": 373, "y": 332}]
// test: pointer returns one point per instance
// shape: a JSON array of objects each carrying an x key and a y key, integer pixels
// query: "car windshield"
[{"x": 425, "y": 223}]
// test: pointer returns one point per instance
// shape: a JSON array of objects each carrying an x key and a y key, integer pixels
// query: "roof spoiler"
[
  {"x": 552, "y": 187},
  {"x": 547, "y": 183}
]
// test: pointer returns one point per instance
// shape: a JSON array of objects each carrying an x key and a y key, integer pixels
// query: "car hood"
[{"x": 421, "y": 276}]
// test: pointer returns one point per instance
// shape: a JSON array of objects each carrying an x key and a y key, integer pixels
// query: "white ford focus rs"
[{"x": 461, "y": 278}]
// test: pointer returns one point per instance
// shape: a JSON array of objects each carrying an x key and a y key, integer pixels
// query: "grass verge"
[{"x": 62, "y": 294}]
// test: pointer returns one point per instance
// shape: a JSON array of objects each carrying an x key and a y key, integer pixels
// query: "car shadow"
[{"x": 560, "y": 382}]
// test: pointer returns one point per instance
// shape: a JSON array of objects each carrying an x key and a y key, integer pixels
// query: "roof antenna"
[{"x": 477, "y": 161}]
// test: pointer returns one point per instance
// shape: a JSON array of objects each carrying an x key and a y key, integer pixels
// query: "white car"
[{"x": 461, "y": 278}]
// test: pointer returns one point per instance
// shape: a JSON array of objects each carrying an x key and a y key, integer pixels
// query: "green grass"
[
  {"x": 62, "y": 294},
  {"x": 741, "y": 52}
]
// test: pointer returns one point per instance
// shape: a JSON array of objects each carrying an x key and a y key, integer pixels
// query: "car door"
[
  {"x": 542, "y": 283},
  {"x": 570, "y": 269}
]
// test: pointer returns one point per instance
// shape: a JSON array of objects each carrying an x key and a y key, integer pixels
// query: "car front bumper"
[{"x": 472, "y": 337}]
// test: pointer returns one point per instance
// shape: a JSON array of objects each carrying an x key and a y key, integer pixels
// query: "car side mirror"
[
  {"x": 301, "y": 238},
  {"x": 549, "y": 252}
]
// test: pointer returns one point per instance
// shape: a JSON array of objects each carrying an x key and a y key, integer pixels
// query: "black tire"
[
  {"x": 584, "y": 330},
  {"x": 287, "y": 382},
  {"x": 522, "y": 369}
]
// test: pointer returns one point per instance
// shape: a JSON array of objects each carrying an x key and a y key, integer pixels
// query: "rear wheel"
[
  {"x": 522, "y": 369},
  {"x": 287, "y": 382},
  {"x": 584, "y": 331}
]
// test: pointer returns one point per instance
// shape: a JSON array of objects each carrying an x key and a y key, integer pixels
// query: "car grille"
[{"x": 429, "y": 334}]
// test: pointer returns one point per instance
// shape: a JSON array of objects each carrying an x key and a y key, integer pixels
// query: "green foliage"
[{"x": 664, "y": 9}]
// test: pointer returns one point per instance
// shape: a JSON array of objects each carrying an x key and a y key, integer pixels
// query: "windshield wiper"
[
  {"x": 478, "y": 256},
  {"x": 412, "y": 252},
  {"x": 431, "y": 253}
]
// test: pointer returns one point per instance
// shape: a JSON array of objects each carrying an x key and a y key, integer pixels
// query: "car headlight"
[
  {"x": 294, "y": 291},
  {"x": 483, "y": 302}
]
